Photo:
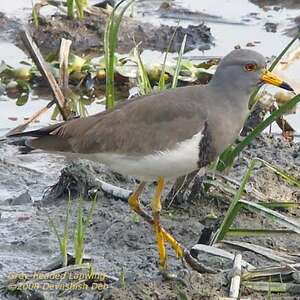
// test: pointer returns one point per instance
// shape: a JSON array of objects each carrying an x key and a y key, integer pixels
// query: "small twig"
[
  {"x": 115, "y": 191},
  {"x": 36, "y": 115},
  {"x": 287, "y": 130},
  {"x": 215, "y": 250},
  {"x": 236, "y": 277},
  {"x": 179, "y": 188}
]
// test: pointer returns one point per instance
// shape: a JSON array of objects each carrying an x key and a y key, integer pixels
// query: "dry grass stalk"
[
  {"x": 64, "y": 52},
  {"x": 45, "y": 71},
  {"x": 236, "y": 277}
]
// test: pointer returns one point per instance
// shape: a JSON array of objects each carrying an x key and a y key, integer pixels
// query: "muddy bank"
[
  {"x": 119, "y": 242},
  {"x": 291, "y": 4},
  {"x": 9, "y": 28},
  {"x": 294, "y": 29},
  {"x": 171, "y": 11},
  {"x": 88, "y": 34}
]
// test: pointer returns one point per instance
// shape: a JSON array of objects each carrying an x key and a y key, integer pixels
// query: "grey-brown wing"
[{"x": 143, "y": 126}]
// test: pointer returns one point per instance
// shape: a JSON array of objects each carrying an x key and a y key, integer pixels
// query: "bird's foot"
[
  {"x": 162, "y": 235},
  {"x": 185, "y": 255},
  {"x": 179, "y": 250},
  {"x": 160, "y": 244}
]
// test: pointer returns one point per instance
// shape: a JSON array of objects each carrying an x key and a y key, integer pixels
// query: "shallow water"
[
  {"x": 118, "y": 242},
  {"x": 226, "y": 37}
]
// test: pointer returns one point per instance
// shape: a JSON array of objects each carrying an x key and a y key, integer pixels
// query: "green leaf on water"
[{"x": 23, "y": 99}]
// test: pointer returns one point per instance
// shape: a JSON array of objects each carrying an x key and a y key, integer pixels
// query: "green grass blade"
[
  {"x": 109, "y": 53},
  {"x": 162, "y": 82},
  {"x": 234, "y": 206},
  {"x": 109, "y": 64},
  {"x": 88, "y": 220},
  {"x": 289, "y": 178},
  {"x": 275, "y": 216},
  {"x": 65, "y": 239},
  {"x": 242, "y": 232},
  {"x": 274, "y": 287},
  {"x": 55, "y": 230},
  {"x": 282, "y": 205},
  {"x": 80, "y": 5},
  {"x": 262, "y": 208},
  {"x": 62, "y": 241},
  {"x": 70, "y": 9},
  {"x": 78, "y": 237},
  {"x": 178, "y": 65},
  {"x": 35, "y": 17},
  {"x": 92, "y": 209},
  {"x": 110, "y": 46},
  {"x": 80, "y": 229},
  {"x": 143, "y": 78}
]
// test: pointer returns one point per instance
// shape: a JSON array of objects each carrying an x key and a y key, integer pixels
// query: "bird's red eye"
[{"x": 250, "y": 67}]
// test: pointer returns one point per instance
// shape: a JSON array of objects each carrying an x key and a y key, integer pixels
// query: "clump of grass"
[
  {"x": 80, "y": 230},
  {"x": 79, "y": 234},
  {"x": 162, "y": 81},
  {"x": 178, "y": 65},
  {"x": 110, "y": 46},
  {"x": 122, "y": 279},
  {"x": 70, "y": 9},
  {"x": 143, "y": 78},
  {"x": 74, "y": 8},
  {"x": 63, "y": 240},
  {"x": 237, "y": 203},
  {"x": 144, "y": 83},
  {"x": 80, "y": 5},
  {"x": 77, "y": 6},
  {"x": 35, "y": 16}
]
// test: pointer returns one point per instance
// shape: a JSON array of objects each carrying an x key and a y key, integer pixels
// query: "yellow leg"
[
  {"x": 133, "y": 200},
  {"x": 156, "y": 208},
  {"x": 161, "y": 234}
]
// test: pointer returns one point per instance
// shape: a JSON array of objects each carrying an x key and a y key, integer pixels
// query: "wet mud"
[
  {"x": 120, "y": 243},
  {"x": 88, "y": 35}
]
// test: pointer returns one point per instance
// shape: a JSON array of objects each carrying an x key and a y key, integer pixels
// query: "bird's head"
[{"x": 245, "y": 69}]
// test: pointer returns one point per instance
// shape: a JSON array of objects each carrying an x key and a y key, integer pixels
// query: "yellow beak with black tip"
[{"x": 268, "y": 77}]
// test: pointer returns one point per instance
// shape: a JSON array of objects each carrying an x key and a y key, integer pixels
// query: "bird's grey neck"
[
  {"x": 239, "y": 99},
  {"x": 234, "y": 102}
]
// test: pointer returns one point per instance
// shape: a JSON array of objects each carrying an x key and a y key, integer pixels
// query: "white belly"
[{"x": 168, "y": 164}]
